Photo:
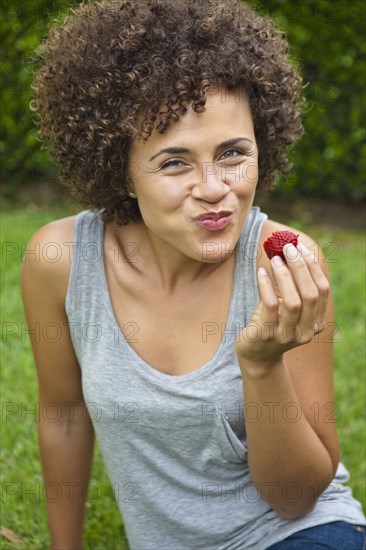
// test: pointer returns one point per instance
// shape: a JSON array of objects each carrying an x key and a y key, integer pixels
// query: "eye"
[
  {"x": 232, "y": 153},
  {"x": 173, "y": 163}
]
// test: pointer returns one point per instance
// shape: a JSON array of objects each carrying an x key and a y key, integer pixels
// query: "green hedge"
[
  {"x": 23, "y": 24},
  {"x": 327, "y": 42}
]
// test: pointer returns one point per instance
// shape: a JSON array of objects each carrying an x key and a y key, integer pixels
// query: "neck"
[{"x": 165, "y": 267}]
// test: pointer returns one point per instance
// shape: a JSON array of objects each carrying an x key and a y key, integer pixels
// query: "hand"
[{"x": 291, "y": 310}]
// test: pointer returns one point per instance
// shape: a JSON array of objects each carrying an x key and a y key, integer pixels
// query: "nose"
[{"x": 210, "y": 185}]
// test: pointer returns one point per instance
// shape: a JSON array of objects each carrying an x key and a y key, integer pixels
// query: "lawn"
[{"x": 23, "y": 510}]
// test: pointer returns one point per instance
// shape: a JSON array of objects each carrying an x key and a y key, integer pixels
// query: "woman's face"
[{"x": 195, "y": 183}]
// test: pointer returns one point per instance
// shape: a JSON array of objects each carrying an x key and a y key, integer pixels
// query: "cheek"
[
  {"x": 250, "y": 173},
  {"x": 172, "y": 192},
  {"x": 246, "y": 180},
  {"x": 164, "y": 200},
  {"x": 169, "y": 195}
]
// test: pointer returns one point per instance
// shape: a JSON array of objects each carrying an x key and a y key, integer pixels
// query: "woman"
[{"x": 199, "y": 361}]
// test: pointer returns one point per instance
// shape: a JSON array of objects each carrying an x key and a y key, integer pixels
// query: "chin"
[{"x": 214, "y": 252}]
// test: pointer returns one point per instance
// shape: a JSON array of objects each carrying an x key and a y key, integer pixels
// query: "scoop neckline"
[{"x": 144, "y": 366}]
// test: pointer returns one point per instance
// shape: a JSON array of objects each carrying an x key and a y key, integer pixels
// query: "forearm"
[
  {"x": 286, "y": 458},
  {"x": 66, "y": 451}
]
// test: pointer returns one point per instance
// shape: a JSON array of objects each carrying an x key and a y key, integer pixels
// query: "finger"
[
  {"x": 269, "y": 317},
  {"x": 291, "y": 301},
  {"x": 321, "y": 282},
  {"x": 307, "y": 289}
]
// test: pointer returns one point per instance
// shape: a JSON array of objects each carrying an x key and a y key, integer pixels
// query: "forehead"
[{"x": 226, "y": 115}]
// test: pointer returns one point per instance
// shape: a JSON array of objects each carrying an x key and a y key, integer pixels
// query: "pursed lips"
[{"x": 214, "y": 215}]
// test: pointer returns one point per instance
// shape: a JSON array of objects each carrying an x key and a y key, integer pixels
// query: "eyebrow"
[{"x": 177, "y": 150}]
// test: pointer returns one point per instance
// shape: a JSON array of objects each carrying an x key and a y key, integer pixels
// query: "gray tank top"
[{"x": 174, "y": 446}]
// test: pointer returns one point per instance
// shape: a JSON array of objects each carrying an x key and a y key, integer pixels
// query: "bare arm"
[
  {"x": 292, "y": 449},
  {"x": 66, "y": 445}
]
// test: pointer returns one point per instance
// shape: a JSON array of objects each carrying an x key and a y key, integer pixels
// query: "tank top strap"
[
  {"x": 87, "y": 253},
  {"x": 248, "y": 252}
]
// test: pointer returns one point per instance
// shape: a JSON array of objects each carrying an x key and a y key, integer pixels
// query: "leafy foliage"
[
  {"x": 327, "y": 42},
  {"x": 23, "y": 26}
]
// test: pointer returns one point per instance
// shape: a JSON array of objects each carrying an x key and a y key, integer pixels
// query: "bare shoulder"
[
  {"x": 48, "y": 257},
  {"x": 44, "y": 280},
  {"x": 59, "y": 231}
]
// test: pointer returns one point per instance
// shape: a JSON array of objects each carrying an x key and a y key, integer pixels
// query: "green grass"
[{"x": 23, "y": 510}]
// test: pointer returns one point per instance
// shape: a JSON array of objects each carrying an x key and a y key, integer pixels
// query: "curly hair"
[{"x": 112, "y": 62}]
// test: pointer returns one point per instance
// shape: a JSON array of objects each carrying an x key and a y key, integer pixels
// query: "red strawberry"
[{"x": 275, "y": 243}]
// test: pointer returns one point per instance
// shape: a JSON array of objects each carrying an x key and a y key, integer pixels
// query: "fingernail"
[
  {"x": 277, "y": 260},
  {"x": 291, "y": 252},
  {"x": 304, "y": 250},
  {"x": 262, "y": 271}
]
